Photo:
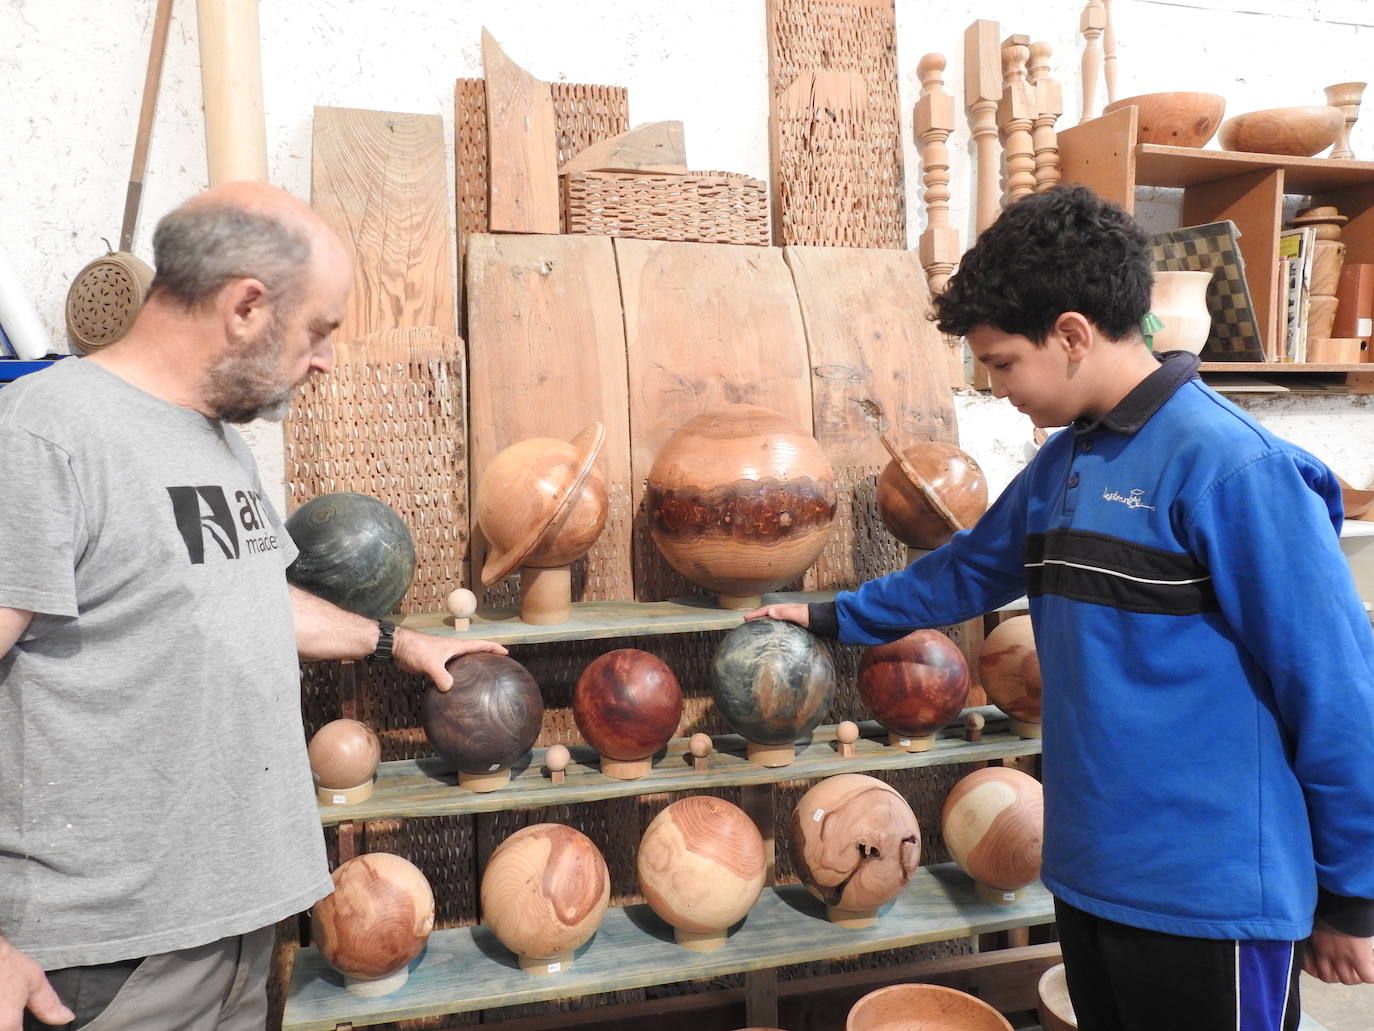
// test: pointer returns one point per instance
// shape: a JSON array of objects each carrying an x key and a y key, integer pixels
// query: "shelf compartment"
[{"x": 1309, "y": 377}]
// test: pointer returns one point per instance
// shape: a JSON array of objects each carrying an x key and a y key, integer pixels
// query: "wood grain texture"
[
  {"x": 627, "y": 704},
  {"x": 522, "y": 158},
  {"x": 1009, "y": 669},
  {"x": 378, "y": 917},
  {"x": 993, "y": 822},
  {"x": 916, "y": 684},
  {"x": 651, "y": 147}
]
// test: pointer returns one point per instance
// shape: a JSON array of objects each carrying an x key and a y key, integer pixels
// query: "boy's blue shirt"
[{"x": 1208, "y": 667}]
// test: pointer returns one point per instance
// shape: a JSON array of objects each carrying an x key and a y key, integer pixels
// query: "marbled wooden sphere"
[
  {"x": 377, "y": 919},
  {"x": 955, "y": 478},
  {"x": 1009, "y": 670},
  {"x": 914, "y": 686},
  {"x": 923, "y": 1007},
  {"x": 701, "y": 866},
  {"x": 994, "y": 824},
  {"x": 544, "y": 892},
  {"x": 740, "y": 501},
  {"x": 490, "y": 718},
  {"x": 772, "y": 682},
  {"x": 627, "y": 704},
  {"x": 344, "y": 754},
  {"x": 855, "y": 844}
]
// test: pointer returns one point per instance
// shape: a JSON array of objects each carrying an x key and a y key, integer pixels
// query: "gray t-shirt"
[{"x": 154, "y": 788}]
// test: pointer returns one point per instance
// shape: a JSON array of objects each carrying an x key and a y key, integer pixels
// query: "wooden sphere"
[
  {"x": 846, "y": 732},
  {"x": 700, "y": 745},
  {"x": 1293, "y": 131},
  {"x": 461, "y": 603},
  {"x": 377, "y": 919},
  {"x": 993, "y": 822},
  {"x": 557, "y": 758},
  {"x": 490, "y": 718},
  {"x": 914, "y": 685},
  {"x": 1177, "y": 119},
  {"x": 544, "y": 892},
  {"x": 1009, "y": 670},
  {"x": 855, "y": 844},
  {"x": 701, "y": 866},
  {"x": 952, "y": 474},
  {"x": 354, "y": 550},
  {"x": 1056, "y": 1008},
  {"x": 740, "y": 501},
  {"x": 627, "y": 704},
  {"x": 344, "y": 754},
  {"x": 540, "y": 503},
  {"x": 923, "y": 1007},
  {"x": 772, "y": 682}
]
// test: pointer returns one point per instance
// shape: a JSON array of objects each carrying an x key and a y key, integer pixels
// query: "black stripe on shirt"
[{"x": 1120, "y": 574}]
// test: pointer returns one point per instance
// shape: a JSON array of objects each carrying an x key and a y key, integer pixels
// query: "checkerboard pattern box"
[{"x": 1215, "y": 247}]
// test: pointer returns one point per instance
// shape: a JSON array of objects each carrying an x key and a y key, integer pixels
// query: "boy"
[{"x": 1208, "y": 666}]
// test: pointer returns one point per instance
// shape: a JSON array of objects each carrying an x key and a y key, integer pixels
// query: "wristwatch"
[{"x": 386, "y": 639}]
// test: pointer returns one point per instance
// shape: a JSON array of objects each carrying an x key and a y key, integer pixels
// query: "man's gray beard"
[{"x": 244, "y": 387}]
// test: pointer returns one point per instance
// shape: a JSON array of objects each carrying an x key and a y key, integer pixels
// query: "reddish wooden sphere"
[
  {"x": 994, "y": 823},
  {"x": 1009, "y": 670},
  {"x": 627, "y": 704},
  {"x": 490, "y": 718},
  {"x": 344, "y": 754},
  {"x": 377, "y": 919},
  {"x": 914, "y": 685},
  {"x": 954, "y": 477},
  {"x": 740, "y": 501}
]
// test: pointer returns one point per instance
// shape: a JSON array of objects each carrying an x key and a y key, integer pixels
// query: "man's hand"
[
  {"x": 792, "y": 612},
  {"x": 1339, "y": 958},
  {"x": 415, "y": 652},
  {"x": 23, "y": 985}
]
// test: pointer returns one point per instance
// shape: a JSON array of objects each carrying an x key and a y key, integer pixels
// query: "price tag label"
[
  {"x": 555, "y": 967},
  {"x": 340, "y": 799},
  {"x": 816, "y": 816}
]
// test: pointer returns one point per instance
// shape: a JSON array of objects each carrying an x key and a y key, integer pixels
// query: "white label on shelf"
[
  {"x": 904, "y": 741},
  {"x": 816, "y": 816},
  {"x": 340, "y": 799},
  {"x": 493, "y": 767},
  {"x": 1364, "y": 327},
  {"x": 1008, "y": 896},
  {"x": 555, "y": 967}
]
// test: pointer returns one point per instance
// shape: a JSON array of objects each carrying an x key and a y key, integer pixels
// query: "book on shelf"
[
  {"x": 1273, "y": 347},
  {"x": 1297, "y": 246}
]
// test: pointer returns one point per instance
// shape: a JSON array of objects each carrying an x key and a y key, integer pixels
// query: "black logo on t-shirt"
[{"x": 206, "y": 512}]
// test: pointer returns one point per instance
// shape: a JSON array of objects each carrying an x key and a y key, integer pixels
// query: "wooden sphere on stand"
[
  {"x": 923, "y": 1007},
  {"x": 544, "y": 892},
  {"x": 343, "y": 759},
  {"x": 855, "y": 844},
  {"x": 375, "y": 922},
  {"x": 460, "y": 604},
  {"x": 740, "y": 501},
  {"x": 994, "y": 824},
  {"x": 354, "y": 550},
  {"x": 487, "y": 722},
  {"x": 914, "y": 686},
  {"x": 1009, "y": 670},
  {"x": 701, "y": 866},
  {"x": 627, "y": 704},
  {"x": 772, "y": 682},
  {"x": 930, "y": 491}
]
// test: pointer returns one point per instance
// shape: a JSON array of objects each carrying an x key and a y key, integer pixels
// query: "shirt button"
[
  {"x": 1073, "y": 480},
  {"x": 1087, "y": 445}
]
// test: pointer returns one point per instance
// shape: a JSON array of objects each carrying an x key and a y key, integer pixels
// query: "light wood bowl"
[
  {"x": 923, "y": 1007},
  {"x": 1293, "y": 131},
  {"x": 1174, "y": 119},
  {"x": 1056, "y": 1011}
]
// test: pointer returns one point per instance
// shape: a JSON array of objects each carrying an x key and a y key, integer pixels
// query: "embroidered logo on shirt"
[{"x": 1136, "y": 499}]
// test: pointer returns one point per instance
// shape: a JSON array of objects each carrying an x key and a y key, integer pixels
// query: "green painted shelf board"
[{"x": 465, "y": 969}]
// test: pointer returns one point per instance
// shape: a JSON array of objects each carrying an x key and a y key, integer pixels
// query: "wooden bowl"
[
  {"x": 1174, "y": 119},
  {"x": 914, "y": 686},
  {"x": 343, "y": 758},
  {"x": 627, "y": 705},
  {"x": 1009, "y": 670},
  {"x": 1056, "y": 1009},
  {"x": 929, "y": 492},
  {"x": 377, "y": 919},
  {"x": 994, "y": 824},
  {"x": 1293, "y": 131},
  {"x": 923, "y": 1007},
  {"x": 1358, "y": 504}
]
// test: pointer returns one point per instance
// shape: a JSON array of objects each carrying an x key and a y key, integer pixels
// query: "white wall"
[{"x": 73, "y": 74}]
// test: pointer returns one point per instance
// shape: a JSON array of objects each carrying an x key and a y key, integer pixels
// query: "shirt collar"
[{"x": 1134, "y": 410}]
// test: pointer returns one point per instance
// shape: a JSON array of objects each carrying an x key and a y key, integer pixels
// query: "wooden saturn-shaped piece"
[
  {"x": 541, "y": 505},
  {"x": 701, "y": 866},
  {"x": 994, "y": 824},
  {"x": 375, "y": 922},
  {"x": 929, "y": 492},
  {"x": 855, "y": 843},
  {"x": 772, "y": 682},
  {"x": 487, "y": 721},
  {"x": 923, "y": 1007},
  {"x": 1009, "y": 670},
  {"x": 343, "y": 759},
  {"x": 544, "y": 893},
  {"x": 740, "y": 501},
  {"x": 914, "y": 686},
  {"x": 627, "y": 704}
]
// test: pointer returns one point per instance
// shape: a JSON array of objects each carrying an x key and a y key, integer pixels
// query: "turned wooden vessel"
[
  {"x": 1176, "y": 119},
  {"x": 487, "y": 722},
  {"x": 375, "y": 922},
  {"x": 1179, "y": 298},
  {"x": 929, "y": 492},
  {"x": 627, "y": 704},
  {"x": 343, "y": 759},
  {"x": 923, "y": 1007},
  {"x": 701, "y": 866},
  {"x": 1009, "y": 670},
  {"x": 855, "y": 844},
  {"x": 544, "y": 893},
  {"x": 993, "y": 822},
  {"x": 914, "y": 686},
  {"x": 541, "y": 504},
  {"x": 1056, "y": 1009},
  {"x": 740, "y": 501},
  {"x": 1294, "y": 131}
]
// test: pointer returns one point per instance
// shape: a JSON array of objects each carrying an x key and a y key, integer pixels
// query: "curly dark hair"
[{"x": 1048, "y": 253}]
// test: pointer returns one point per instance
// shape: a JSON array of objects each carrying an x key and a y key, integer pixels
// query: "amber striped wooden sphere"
[
  {"x": 344, "y": 754},
  {"x": 377, "y": 919},
  {"x": 994, "y": 823},
  {"x": 1009, "y": 670}
]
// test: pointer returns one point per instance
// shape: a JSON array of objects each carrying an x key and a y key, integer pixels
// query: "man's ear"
[
  {"x": 1076, "y": 334},
  {"x": 244, "y": 307}
]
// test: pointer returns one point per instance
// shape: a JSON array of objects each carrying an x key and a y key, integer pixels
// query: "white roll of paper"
[{"x": 22, "y": 325}]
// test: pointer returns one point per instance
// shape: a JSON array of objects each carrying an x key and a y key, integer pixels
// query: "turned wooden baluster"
[
  {"x": 939, "y": 246},
  {"x": 1049, "y": 105},
  {"x": 1016, "y": 116},
  {"x": 1092, "y": 25},
  {"x": 982, "y": 92},
  {"x": 1109, "y": 51}
]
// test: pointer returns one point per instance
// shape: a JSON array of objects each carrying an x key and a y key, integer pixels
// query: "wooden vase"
[
  {"x": 343, "y": 760},
  {"x": 993, "y": 822},
  {"x": 1009, "y": 671},
  {"x": 1180, "y": 300}
]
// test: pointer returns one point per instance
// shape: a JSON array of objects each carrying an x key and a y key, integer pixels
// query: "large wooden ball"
[
  {"x": 994, "y": 824},
  {"x": 923, "y": 1007},
  {"x": 740, "y": 501},
  {"x": 377, "y": 919},
  {"x": 354, "y": 550},
  {"x": 627, "y": 704},
  {"x": 343, "y": 758},
  {"x": 489, "y": 720},
  {"x": 855, "y": 844},
  {"x": 914, "y": 686},
  {"x": 701, "y": 866},
  {"x": 772, "y": 682},
  {"x": 952, "y": 474},
  {"x": 1009, "y": 669},
  {"x": 544, "y": 892}
]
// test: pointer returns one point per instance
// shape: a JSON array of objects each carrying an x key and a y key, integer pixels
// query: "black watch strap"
[{"x": 386, "y": 639}]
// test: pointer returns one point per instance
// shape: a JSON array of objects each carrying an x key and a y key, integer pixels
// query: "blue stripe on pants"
[{"x": 1263, "y": 969}]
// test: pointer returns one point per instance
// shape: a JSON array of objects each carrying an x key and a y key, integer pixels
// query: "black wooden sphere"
[
  {"x": 491, "y": 717},
  {"x": 355, "y": 551}
]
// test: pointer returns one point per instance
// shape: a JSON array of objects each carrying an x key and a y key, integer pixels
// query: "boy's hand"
[
  {"x": 792, "y": 612},
  {"x": 1339, "y": 958}
]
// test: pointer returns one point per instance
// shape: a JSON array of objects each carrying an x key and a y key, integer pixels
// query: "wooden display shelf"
[
  {"x": 465, "y": 969},
  {"x": 1283, "y": 377}
]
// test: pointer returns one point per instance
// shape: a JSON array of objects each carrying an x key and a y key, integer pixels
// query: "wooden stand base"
[
  {"x": 699, "y": 941},
  {"x": 484, "y": 781},
  {"x": 1002, "y": 896},
  {"x": 626, "y": 769},
  {"x": 370, "y": 989},
  {"x": 770, "y": 755},
  {"x": 345, "y": 796},
  {"x": 852, "y": 917},
  {"x": 743, "y": 602},
  {"x": 543, "y": 966},
  {"x": 546, "y": 595},
  {"x": 912, "y": 743},
  {"x": 1026, "y": 730}
]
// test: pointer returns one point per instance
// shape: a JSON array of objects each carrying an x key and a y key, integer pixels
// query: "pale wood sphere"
[
  {"x": 461, "y": 603},
  {"x": 701, "y": 864},
  {"x": 700, "y": 745},
  {"x": 377, "y": 919},
  {"x": 923, "y": 1007},
  {"x": 993, "y": 822},
  {"x": 847, "y": 732},
  {"x": 344, "y": 754},
  {"x": 557, "y": 757},
  {"x": 545, "y": 890},
  {"x": 1009, "y": 670}
]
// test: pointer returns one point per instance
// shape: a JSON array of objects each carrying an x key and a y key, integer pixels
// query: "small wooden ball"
[
  {"x": 914, "y": 686},
  {"x": 1009, "y": 670},
  {"x": 700, "y": 745},
  {"x": 544, "y": 893},
  {"x": 343, "y": 758},
  {"x": 461, "y": 603},
  {"x": 855, "y": 844},
  {"x": 701, "y": 866},
  {"x": 377, "y": 919},
  {"x": 846, "y": 733},
  {"x": 556, "y": 759},
  {"x": 993, "y": 822},
  {"x": 488, "y": 721},
  {"x": 627, "y": 704}
]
